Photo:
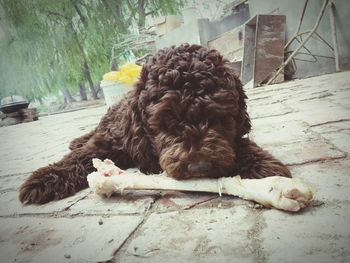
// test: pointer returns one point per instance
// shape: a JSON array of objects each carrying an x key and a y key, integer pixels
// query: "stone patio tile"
[
  {"x": 173, "y": 201},
  {"x": 301, "y": 89},
  {"x": 79, "y": 239},
  {"x": 191, "y": 227},
  {"x": 307, "y": 95},
  {"x": 341, "y": 92},
  {"x": 12, "y": 182},
  {"x": 195, "y": 235},
  {"x": 10, "y": 205},
  {"x": 319, "y": 234},
  {"x": 130, "y": 202},
  {"x": 280, "y": 133},
  {"x": 309, "y": 105},
  {"x": 322, "y": 115},
  {"x": 269, "y": 95},
  {"x": 340, "y": 139},
  {"x": 345, "y": 102},
  {"x": 29, "y": 146},
  {"x": 27, "y": 165},
  {"x": 303, "y": 152},
  {"x": 332, "y": 127},
  {"x": 260, "y": 111},
  {"x": 314, "y": 117},
  {"x": 330, "y": 179}
]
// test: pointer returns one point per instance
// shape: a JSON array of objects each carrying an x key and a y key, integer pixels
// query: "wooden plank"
[{"x": 269, "y": 47}]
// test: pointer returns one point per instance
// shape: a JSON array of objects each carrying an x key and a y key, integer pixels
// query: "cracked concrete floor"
[{"x": 305, "y": 123}]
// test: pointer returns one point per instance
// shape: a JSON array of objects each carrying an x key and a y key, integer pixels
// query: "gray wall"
[
  {"x": 210, "y": 30},
  {"x": 188, "y": 33},
  {"x": 202, "y": 30},
  {"x": 292, "y": 10}
]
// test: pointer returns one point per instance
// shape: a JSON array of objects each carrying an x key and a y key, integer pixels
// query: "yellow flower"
[{"x": 128, "y": 74}]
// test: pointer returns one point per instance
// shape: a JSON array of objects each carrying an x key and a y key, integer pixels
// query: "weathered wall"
[
  {"x": 292, "y": 10},
  {"x": 229, "y": 44},
  {"x": 188, "y": 33},
  {"x": 202, "y": 30},
  {"x": 211, "y": 29}
]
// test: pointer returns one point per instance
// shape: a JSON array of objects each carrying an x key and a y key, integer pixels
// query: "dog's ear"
[
  {"x": 242, "y": 116},
  {"x": 243, "y": 120},
  {"x": 137, "y": 141},
  {"x": 142, "y": 99},
  {"x": 143, "y": 75}
]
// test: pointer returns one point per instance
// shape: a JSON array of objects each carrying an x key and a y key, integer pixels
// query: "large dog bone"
[{"x": 289, "y": 194}]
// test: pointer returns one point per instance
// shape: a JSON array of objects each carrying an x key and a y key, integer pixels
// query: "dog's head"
[{"x": 193, "y": 110}]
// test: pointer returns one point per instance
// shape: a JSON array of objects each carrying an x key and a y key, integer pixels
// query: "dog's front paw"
[
  {"x": 40, "y": 187},
  {"x": 32, "y": 193}
]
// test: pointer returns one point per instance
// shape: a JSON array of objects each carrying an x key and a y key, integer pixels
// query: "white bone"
[{"x": 290, "y": 194}]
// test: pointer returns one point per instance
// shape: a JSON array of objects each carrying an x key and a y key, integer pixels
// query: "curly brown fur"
[{"x": 186, "y": 115}]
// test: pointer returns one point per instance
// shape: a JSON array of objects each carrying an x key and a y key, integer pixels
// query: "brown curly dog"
[{"x": 186, "y": 115}]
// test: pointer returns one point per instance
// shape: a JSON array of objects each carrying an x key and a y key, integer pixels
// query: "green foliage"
[{"x": 46, "y": 45}]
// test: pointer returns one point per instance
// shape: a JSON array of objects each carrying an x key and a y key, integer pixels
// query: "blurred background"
[{"x": 54, "y": 53}]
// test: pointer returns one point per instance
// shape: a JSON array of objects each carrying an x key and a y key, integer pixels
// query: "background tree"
[{"x": 60, "y": 47}]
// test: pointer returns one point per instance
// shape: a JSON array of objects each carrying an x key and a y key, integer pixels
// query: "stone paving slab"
[
  {"x": 27, "y": 163},
  {"x": 305, "y": 152},
  {"x": 314, "y": 117},
  {"x": 261, "y": 111},
  {"x": 321, "y": 115},
  {"x": 318, "y": 235},
  {"x": 344, "y": 101},
  {"x": 330, "y": 179},
  {"x": 340, "y": 139},
  {"x": 311, "y": 105},
  {"x": 79, "y": 239},
  {"x": 130, "y": 202},
  {"x": 305, "y": 123},
  {"x": 332, "y": 127},
  {"x": 10, "y": 206},
  {"x": 176, "y": 201},
  {"x": 280, "y": 132},
  {"x": 293, "y": 93},
  {"x": 28, "y": 146},
  {"x": 202, "y": 235},
  {"x": 11, "y": 182}
]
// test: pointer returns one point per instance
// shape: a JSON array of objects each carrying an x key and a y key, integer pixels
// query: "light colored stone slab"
[
  {"x": 322, "y": 115},
  {"x": 29, "y": 146},
  {"x": 340, "y": 139},
  {"x": 130, "y": 202},
  {"x": 330, "y": 179},
  {"x": 320, "y": 234},
  {"x": 12, "y": 182},
  {"x": 303, "y": 152},
  {"x": 310, "y": 105},
  {"x": 29, "y": 163},
  {"x": 312, "y": 89},
  {"x": 345, "y": 102},
  {"x": 313, "y": 117},
  {"x": 279, "y": 133},
  {"x": 79, "y": 239},
  {"x": 342, "y": 91},
  {"x": 332, "y": 127},
  {"x": 195, "y": 235},
  {"x": 219, "y": 230},
  {"x": 172, "y": 201},
  {"x": 266, "y": 110},
  {"x": 10, "y": 205}
]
